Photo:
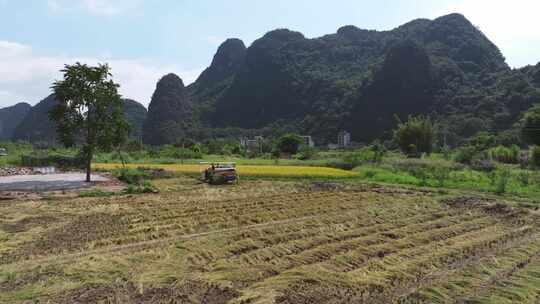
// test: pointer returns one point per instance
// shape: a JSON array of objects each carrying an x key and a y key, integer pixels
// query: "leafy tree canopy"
[
  {"x": 289, "y": 143},
  {"x": 531, "y": 127},
  {"x": 415, "y": 136},
  {"x": 89, "y": 110}
]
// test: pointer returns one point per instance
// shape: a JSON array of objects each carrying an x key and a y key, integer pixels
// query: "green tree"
[
  {"x": 415, "y": 136},
  {"x": 289, "y": 143},
  {"x": 89, "y": 111},
  {"x": 531, "y": 126},
  {"x": 482, "y": 141}
]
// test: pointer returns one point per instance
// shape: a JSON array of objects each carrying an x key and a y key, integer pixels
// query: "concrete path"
[{"x": 47, "y": 182}]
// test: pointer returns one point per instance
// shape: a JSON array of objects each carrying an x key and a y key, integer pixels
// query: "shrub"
[
  {"x": 289, "y": 143},
  {"x": 446, "y": 152},
  {"x": 306, "y": 152},
  {"x": 132, "y": 176},
  {"x": 372, "y": 154},
  {"x": 499, "y": 180},
  {"x": 153, "y": 152},
  {"x": 378, "y": 150},
  {"x": 531, "y": 127},
  {"x": 253, "y": 154},
  {"x": 535, "y": 156},
  {"x": 482, "y": 141},
  {"x": 136, "y": 155},
  {"x": 507, "y": 155},
  {"x": 483, "y": 165},
  {"x": 415, "y": 136},
  {"x": 409, "y": 165},
  {"x": 219, "y": 146},
  {"x": 170, "y": 151},
  {"x": 145, "y": 187},
  {"x": 465, "y": 155},
  {"x": 120, "y": 156}
]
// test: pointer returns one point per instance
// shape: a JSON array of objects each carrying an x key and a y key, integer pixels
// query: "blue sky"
[{"x": 144, "y": 39}]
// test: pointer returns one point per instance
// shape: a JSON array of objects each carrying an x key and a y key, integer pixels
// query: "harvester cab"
[{"x": 218, "y": 173}]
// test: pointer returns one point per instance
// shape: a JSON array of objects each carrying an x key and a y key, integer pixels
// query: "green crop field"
[{"x": 269, "y": 242}]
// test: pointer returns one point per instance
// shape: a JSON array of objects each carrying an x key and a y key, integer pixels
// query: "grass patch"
[
  {"x": 508, "y": 180},
  {"x": 96, "y": 193}
]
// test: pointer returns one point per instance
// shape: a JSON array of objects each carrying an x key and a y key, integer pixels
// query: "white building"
[
  {"x": 308, "y": 141},
  {"x": 344, "y": 139},
  {"x": 252, "y": 145}
]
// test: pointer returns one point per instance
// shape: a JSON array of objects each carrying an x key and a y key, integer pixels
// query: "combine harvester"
[{"x": 218, "y": 173}]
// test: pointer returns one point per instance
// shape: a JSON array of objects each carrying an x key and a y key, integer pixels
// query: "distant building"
[
  {"x": 344, "y": 139},
  {"x": 308, "y": 141},
  {"x": 252, "y": 145}
]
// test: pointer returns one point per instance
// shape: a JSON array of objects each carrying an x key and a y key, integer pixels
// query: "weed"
[
  {"x": 132, "y": 176},
  {"x": 441, "y": 174},
  {"x": 145, "y": 187},
  {"x": 95, "y": 193},
  {"x": 524, "y": 177},
  {"x": 500, "y": 179}
]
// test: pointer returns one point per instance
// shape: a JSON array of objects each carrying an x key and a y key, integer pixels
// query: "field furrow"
[
  {"x": 299, "y": 246},
  {"x": 461, "y": 277},
  {"x": 328, "y": 256},
  {"x": 517, "y": 282}
]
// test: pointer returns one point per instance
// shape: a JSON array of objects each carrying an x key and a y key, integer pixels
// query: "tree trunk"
[
  {"x": 88, "y": 170},
  {"x": 88, "y": 165}
]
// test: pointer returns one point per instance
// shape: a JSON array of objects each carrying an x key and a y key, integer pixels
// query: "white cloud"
[
  {"x": 511, "y": 25},
  {"x": 95, "y": 7},
  {"x": 26, "y": 76},
  {"x": 10, "y": 49}
]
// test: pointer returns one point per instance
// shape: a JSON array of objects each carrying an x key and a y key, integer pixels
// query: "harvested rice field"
[{"x": 269, "y": 242}]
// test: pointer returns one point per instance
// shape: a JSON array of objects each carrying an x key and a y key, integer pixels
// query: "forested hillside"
[
  {"x": 135, "y": 114},
  {"x": 37, "y": 127},
  {"x": 170, "y": 113},
  {"x": 10, "y": 117},
  {"x": 360, "y": 80}
]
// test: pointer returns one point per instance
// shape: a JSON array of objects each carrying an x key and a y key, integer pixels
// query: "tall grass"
[
  {"x": 507, "y": 155},
  {"x": 503, "y": 180}
]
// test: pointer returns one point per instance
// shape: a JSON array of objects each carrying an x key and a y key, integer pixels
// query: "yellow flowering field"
[{"x": 244, "y": 170}]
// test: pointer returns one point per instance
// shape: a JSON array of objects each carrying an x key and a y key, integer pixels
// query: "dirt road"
[{"x": 47, "y": 182}]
